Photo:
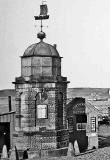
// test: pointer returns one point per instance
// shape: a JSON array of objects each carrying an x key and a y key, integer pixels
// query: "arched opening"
[
  {"x": 77, "y": 122},
  {"x": 41, "y": 109},
  {"x": 4, "y": 135}
]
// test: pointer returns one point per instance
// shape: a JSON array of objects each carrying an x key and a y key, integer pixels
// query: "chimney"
[{"x": 9, "y": 103}]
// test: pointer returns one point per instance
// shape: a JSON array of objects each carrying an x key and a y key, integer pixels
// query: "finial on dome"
[
  {"x": 43, "y": 16},
  {"x": 41, "y": 35}
]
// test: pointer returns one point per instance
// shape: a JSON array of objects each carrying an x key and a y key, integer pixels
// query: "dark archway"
[{"x": 4, "y": 135}]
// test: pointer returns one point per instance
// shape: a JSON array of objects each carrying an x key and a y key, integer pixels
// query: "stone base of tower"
[{"x": 47, "y": 143}]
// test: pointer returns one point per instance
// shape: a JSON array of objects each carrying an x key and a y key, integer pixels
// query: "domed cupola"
[
  {"x": 41, "y": 59},
  {"x": 41, "y": 49}
]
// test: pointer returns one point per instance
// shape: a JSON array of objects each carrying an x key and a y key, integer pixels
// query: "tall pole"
[
  {"x": 9, "y": 103},
  {"x": 41, "y": 25}
]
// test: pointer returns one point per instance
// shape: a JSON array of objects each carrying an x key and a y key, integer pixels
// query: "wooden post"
[{"x": 9, "y": 103}]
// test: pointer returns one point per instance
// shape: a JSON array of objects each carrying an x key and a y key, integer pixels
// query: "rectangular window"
[
  {"x": 42, "y": 111},
  {"x": 93, "y": 124},
  {"x": 81, "y": 126}
]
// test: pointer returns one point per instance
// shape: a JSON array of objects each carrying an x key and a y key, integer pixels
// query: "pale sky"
[{"x": 80, "y": 28}]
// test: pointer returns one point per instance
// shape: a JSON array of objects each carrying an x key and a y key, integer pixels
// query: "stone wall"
[{"x": 30, "y": 130}]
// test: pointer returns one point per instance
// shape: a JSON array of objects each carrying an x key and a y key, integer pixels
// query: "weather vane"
[{"x": 43, "y": 16}]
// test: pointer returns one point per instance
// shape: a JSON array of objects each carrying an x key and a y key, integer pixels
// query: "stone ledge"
[{"x": 58, "y": 152}]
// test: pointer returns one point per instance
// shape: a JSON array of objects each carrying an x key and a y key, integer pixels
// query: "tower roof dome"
[{"x": 41, "y": 49}]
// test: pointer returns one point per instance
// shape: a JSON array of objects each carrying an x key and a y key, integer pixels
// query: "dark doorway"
[
  {"x": 4, "y": 135},
  {"x": 81, "y": 121},
  {"x": 77, "y": 130}
]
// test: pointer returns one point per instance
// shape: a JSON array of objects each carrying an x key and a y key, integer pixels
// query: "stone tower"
[{"x": 41, "y": 93}]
